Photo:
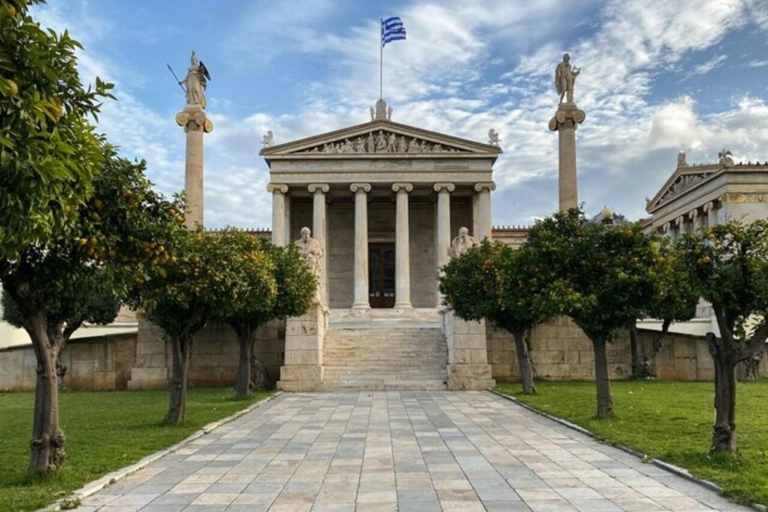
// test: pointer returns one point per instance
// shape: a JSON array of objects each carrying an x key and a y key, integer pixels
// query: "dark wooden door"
[{"x": 381, "y": 277}]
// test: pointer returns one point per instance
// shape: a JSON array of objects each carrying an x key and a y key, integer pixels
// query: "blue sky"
[{"x": 658, "y": 76}]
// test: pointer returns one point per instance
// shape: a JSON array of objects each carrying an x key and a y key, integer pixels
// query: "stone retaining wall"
[
  {"x": 561, "y": 351},
  {"x": 100, "y": 363}
]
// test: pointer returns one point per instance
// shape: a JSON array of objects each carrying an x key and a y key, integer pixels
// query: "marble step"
[{"x": 387, "y": 384}]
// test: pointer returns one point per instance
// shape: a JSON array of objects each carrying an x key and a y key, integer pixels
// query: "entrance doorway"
[{"x": 381, "y": 277}]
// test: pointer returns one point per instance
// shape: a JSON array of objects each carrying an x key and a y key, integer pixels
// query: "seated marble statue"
[
  {"x": 311, "y": 253},
  {"x": 462, "y": 243}
]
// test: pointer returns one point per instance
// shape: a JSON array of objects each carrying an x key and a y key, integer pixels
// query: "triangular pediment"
[
  {"x": 683, "y": 179},
  {"x": 380, "y": 139}
]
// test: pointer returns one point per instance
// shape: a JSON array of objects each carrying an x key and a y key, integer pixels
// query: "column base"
[
  {"x": 403, "y": 305},
  {"x": 361, "y": 307},
  {"x": 301, "y": 377},
  {"x": 470, "y": 377}
]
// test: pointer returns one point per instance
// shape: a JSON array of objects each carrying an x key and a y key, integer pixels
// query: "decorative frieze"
[
  {"x": 683, "y": 183},
  {"x": 383, "y": 141}
]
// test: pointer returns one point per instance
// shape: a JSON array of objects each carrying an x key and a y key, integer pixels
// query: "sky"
[{"x": 658, "y": 76}]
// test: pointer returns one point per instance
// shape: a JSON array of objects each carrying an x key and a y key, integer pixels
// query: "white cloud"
[
  {"x": 706, "y": 67},
  {"x": 443, "y": 78}
]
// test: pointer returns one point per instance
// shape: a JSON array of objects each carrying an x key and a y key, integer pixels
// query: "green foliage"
[
  {"x": 94, "y": 421},
  {"x": 670, "y": 421},
  {"x": 296, "y": 284},
  {"x": 49, "y": 153},
  {"x": 603, "y": 277},
  {"x": 507, "y": 286},
  {"x": 85, "y": 274},
  {"x": 183, "y": 293},
  {"x": 729, "y": 267},
  {"x": 675, "y": 298}
]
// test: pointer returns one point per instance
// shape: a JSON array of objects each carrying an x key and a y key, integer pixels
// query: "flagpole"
[{"x": 381, "y": 61}]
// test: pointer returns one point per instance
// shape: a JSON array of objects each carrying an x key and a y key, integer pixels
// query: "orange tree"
[
  {"x": 675, "y": 300},
  {"x": 603, "y": 277},
  {"x": 505, "y": 286},
  {"x": 53, "y": 284},
  {"x": 184, "y": 293},
  {"x": 728, "y": 264},
  {"x": 281, "y": 289},
  {"x": 49, "y": 154}
]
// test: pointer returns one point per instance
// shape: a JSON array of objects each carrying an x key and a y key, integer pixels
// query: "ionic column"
[
  {"x": 195, "y": 123},
  {"x": 361, "y": 190},
  {"x": 679, "y": 227},
  {"x": 402, "y": 248},
  {"x": 278, "y": 213},
  {"x": 709, "y": 208},
  {"x": 484, "y": 210},
  {"x": 443, "y": 228},
  {"x": 318, "y": 232},
  {"x": 693, "y": 218},
  {"x": 566, "y": 120}
]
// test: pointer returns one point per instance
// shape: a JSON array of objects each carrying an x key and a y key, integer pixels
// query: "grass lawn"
[
  {"x": 671, "y": 421},
  {"x": 105, "y": 431}
]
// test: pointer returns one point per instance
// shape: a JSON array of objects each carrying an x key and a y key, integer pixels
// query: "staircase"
[{"x": 385, "y": 349}]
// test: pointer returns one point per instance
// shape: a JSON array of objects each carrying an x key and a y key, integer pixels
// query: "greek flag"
[{"x": 392, "y": 29}]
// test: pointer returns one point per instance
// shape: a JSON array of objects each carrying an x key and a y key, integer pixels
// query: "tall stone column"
[
  {"x": 443, "y": 228},
  {"x": 319, "y": 223},
  {"x": 362, "y": 301},
  {"x": 402, "y": 247},
  {"x": 484, "y": 220},
  {"x": 278, "y": 192},
  {"x": 567, "y": 119},
  {"x": 195, "y": 123}
]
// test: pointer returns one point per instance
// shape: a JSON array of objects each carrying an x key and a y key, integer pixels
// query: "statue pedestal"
[
  {"x": 468, "y": 367},
  {"x": 566, "y": 120},
  {"x": 303, "y": 366}
]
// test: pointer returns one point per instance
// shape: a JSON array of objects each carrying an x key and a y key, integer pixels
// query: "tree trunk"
[
  {"x": 524, "y": 363},
  {"x": 182, "y": 349},
  {"x": 47, "y": 445},
  {"x": 724, "y": 430},
  {"x": 602, "y": 381},
  {"x": 636, "y": 352},
  {"x": 245, "y": 340}
]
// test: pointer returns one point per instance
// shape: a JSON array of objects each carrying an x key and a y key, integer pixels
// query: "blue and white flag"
[{"x": 392, "y": 29}]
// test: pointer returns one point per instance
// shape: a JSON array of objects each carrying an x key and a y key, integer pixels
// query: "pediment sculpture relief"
[
  {"x": 381, "y": 141},
  {"x": 683, "y": 183}
]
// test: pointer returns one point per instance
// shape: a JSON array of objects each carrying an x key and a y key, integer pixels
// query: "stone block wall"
[
  {"x": 93, "y": 364},
  {"x": 214, "y": 355},
  {"x": 561, "y": 351}
]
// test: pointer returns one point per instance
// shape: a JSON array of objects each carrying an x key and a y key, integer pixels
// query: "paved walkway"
[{"x": 407, "y": 451}]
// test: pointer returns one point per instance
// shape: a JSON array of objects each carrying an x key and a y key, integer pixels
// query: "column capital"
[
  {"x": 693, "y": 214},
  {"x": 489, "y": 185},
  {"x": 567, "y": 116},
  {"x": 278, "y": 188},
  {"x": 360, "y": 187},
  {"x": 666, "y": 227},
  {"x": 405, "y": 187},
  {"x": 679, "y": 220},
  {"x": 448, "y": 187},
  {"x": 319, "y": 188},
  {"x": 194, "y": 119}
]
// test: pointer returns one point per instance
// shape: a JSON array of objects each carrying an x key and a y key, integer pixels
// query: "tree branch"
[{"x": 754, "y": 343}]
